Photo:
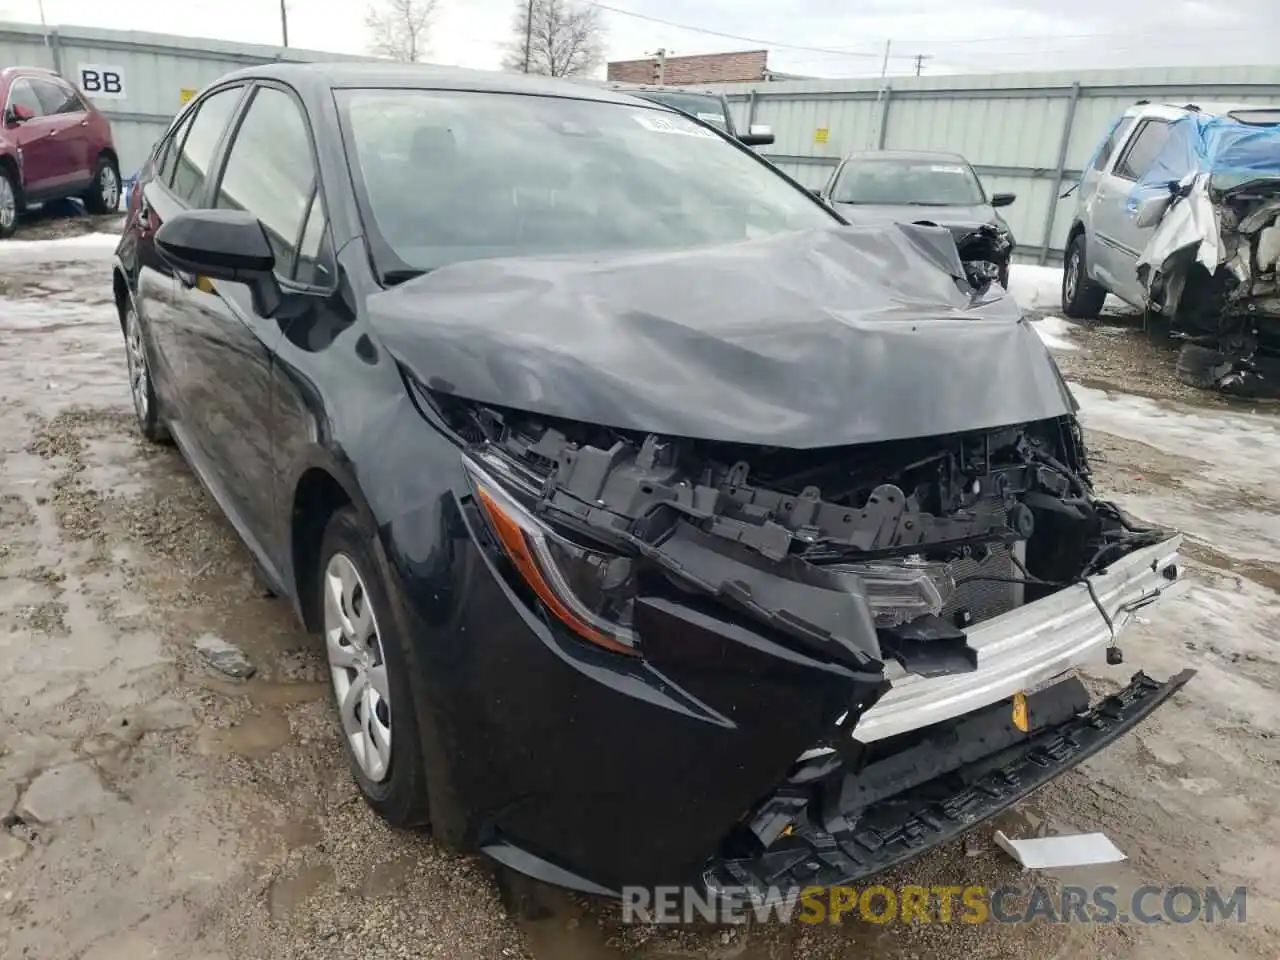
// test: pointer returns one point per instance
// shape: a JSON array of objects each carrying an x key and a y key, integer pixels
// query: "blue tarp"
[{"x": 1232, "y": 153}]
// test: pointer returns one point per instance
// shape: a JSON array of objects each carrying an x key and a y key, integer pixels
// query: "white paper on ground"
[{"x": 1076, "y": 850}]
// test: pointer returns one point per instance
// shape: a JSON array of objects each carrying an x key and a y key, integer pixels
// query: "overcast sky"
[{"x": 816, "y": 37}]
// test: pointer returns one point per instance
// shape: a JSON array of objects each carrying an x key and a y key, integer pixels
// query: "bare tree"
[
  {"x": 555, "y": 38},
  {"x": 399, "y": 28}
]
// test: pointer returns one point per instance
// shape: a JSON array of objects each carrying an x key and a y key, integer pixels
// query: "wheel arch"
[
  {"x": 320, "y": 489},
  {"x": 120, "y": 291}
]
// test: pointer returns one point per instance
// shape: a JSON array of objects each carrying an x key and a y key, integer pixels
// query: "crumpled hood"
[
  {"x": 960, "y": 220},
  {"x": 809, "y": 339}
]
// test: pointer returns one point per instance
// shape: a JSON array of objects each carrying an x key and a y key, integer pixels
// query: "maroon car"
[{"x": 53, "y": 143}]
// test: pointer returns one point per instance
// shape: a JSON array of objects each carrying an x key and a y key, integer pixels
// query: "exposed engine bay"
[
  {"x": 1221, "y": 292},
  {"x": 857, "y": 554},
  {"x": 985, "y": 254}
]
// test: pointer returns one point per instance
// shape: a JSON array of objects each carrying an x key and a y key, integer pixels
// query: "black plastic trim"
[{"x": 891, "y": 831}]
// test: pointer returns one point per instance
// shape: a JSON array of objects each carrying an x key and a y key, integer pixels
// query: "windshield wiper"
[{"x": 393, "y": 277}]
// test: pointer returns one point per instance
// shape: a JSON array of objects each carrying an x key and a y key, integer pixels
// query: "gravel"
[{"x": 175, "y": 811}]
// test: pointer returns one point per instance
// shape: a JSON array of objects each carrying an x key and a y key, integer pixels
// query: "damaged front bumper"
[
  {"x": 897, "y": 825},
  {"x": 1029, "y": 645}
]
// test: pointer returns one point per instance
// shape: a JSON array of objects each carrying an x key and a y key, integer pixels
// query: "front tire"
[
  {"x": 369, "y": 670},
  {"x": 146, "y": 408},
  {"x": 104, "y": 195},
  {"x": 1082, "y": 299}
]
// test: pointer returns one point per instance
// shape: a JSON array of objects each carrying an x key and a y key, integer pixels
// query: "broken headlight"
[
  {"x": 589, "y": 590},
  {"x": 901, "y": 590}
]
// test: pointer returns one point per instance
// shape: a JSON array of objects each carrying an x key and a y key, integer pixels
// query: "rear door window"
[
  {"x": 169, "y": 150},
  {"x": 56, "y": 98},
  {"x": 1142, "y": 149},
  {"x": 204, "y": 133}
]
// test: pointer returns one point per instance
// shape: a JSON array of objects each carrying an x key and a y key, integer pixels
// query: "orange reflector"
[
  {"x": 517, "y": 548},
  {"x": 1021, "y": 714}
]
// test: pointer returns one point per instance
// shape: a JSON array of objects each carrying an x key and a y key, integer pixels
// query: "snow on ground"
[
  {"x": 1234, "y": 445},
  {"x": 1228, "y": 500},
  {"x": 1054, "y": 331},
  {"x": 89, "y": 246},
  {"x": 1034, "y": 287}
]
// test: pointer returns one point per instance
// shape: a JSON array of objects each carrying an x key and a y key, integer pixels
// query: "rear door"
[
  {"x": 270, "y": 171},
  {"x": 68, "y": 118},
  {"x": 46, "y": 161},
  {"x": 1119, "y": 238}
]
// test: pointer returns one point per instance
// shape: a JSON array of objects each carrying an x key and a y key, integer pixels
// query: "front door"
[
  {"x": 270, "y": 172},
  {"x": 45, "y": 159}
]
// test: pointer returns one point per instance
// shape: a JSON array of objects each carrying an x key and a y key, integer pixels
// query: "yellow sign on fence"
[
  {"x": 187, "y": 93},
  {"x": 821, "y": 135}
]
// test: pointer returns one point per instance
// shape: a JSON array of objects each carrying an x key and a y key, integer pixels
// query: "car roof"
[
  {"x": 1172, "y": 111},
  {"x": 7, "y": 72},
  {"x": 906, "y": 155},
  {"x": 338, "y": 74}
]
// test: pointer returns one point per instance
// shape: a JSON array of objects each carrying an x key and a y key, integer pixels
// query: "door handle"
[{"x": 84, "y": 123}]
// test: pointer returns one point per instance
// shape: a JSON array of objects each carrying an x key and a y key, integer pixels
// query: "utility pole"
[
  {"x": 44, "y": 26},
  {"x": 920, "y": 59},
  {"x": 660, "y": 65},
  {"x": 528, "y": 35},
  {"x": 884, "y": 65},
  {"x": 284, "y": 22}
]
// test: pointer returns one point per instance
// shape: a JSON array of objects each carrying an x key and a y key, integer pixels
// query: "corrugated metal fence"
[
  {"x": 154, "y": 72},
  {"x": 1028, "y": 134}
]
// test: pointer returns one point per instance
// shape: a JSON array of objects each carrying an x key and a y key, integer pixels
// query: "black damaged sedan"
[{"x": 659, "y": 525}]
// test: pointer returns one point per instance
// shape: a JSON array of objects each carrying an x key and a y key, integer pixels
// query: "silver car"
[{"x": 1178, "y": 214}]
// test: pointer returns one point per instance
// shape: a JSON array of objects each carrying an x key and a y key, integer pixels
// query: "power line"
[{"x": 735, "y": 36}]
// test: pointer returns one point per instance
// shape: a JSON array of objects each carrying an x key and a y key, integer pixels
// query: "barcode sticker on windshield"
[
  {"x": 710, "y": 117},
  {"x": 946, "y": 168},
  {"x": 657, "y": 123}
]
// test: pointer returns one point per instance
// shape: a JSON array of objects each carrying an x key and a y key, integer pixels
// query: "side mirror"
[
  {"x": 18, "y": 114},
  {"x": 1151, "y": 210},
  {"x": 760, "y": 135},
  {"x": 1003, "y": 199},
  {"x": 223, "y": 245}
]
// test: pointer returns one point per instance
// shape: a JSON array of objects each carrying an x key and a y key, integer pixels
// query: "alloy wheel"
[
  {"x": 109, "y": 185},
  {"x": 139, "y": 374},
  {"x": 1073, "y": 274},
  {"x": 357, "y": 666},
  {"x": 8, "y": 204}
]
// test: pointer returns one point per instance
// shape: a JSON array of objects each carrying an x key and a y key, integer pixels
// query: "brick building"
[{"x": 744, "y": 66}]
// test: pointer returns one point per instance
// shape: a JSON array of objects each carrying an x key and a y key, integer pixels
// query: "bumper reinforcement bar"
[{"x": 898, "y": 828}]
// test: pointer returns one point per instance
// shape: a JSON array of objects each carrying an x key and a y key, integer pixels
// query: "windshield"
[
  {"x": 707, "y": 109},
  {"x": 447, "y": 176},
  {"x": 941, "y": 183}
]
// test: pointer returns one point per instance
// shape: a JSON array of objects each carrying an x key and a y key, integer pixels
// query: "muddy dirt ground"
[{"x": 153, "y": 808}]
